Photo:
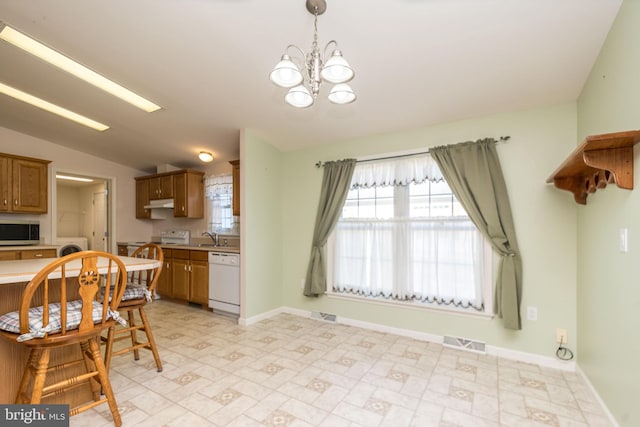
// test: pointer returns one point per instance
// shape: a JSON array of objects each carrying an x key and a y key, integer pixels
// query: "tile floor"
[{"x": 295, "y": 371}]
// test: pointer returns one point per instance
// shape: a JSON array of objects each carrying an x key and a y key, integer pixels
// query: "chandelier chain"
[{"x": 315, "y": 28}]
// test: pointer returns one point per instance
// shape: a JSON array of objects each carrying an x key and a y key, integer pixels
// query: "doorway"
[{"x": 82, "y": 209}]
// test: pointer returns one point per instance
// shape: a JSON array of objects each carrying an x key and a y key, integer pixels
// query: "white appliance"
[
  {"x": 167, "y": 237},
  {"x": 70, "y": 245},
  {"x": 224, "y": 282},
  {"x": 175, "y": 237}
]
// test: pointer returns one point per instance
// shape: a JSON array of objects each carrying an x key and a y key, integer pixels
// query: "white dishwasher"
[{"x": 224, "y": 282}]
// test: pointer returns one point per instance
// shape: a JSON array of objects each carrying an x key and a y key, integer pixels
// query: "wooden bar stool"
[
  {"x": 58, "y": 308},
  {"x": 139, "y": 291}
]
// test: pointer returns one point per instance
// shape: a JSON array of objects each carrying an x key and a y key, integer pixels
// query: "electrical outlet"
[
  {"x": 624, "y": 240},
  {"x": 532, "y": 313},
  {"x": 561, "y": 336}
]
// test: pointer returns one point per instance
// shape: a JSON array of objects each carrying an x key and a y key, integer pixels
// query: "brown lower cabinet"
[
  {"x": 165, "y": 280},
  {"x": 28, "y": 254},
  {"x": 185, "y": 275}
]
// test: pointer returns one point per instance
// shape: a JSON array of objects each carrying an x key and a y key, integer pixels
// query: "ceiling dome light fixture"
[
  {"x": 205, "y": 156},
  {"x": 304, "y": 81}
]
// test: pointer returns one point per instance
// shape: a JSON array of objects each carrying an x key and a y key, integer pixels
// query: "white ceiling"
[{"x": 206, "y": 62}]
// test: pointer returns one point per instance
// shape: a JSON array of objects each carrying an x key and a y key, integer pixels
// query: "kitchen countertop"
[
  {"x": 207, "y": 248},
  {"x": 228, "y": 249},
  {"x": 24, "y": 270}
]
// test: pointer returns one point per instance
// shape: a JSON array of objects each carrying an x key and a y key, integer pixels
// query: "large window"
[{"x": 403, "y": 236}]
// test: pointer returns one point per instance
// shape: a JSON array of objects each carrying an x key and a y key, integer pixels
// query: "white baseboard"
[
  {"x": 247, "y": 321},
  {"x": 546, "y": 361},
  {"x": 538, "y": 359},
  {"x": 603, "y": 405}
]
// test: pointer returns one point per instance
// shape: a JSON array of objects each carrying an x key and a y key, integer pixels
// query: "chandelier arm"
[
  {"x": 286, "y": 50},
  {"x": 329, "y": 43},
  {"x": 300, "y": 62}
]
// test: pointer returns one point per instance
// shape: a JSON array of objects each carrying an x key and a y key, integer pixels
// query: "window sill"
[{"x": 412, "y": 305}]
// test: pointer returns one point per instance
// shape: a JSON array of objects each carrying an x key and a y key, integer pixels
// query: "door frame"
[{"x": 110, "y": 188}]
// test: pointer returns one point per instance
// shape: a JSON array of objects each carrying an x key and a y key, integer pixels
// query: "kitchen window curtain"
[
  {"x": 219, "y": 190},
  {"x": 473, "y": 171},
  {"x": 336, "y": 181}
]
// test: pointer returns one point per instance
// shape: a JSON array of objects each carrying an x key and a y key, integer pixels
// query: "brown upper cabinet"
[
  {"x": 236, "y": 187},
  {"x": 161, "y": 187},
  {"x": 188, "y": 190},
  {"x": 142, "y": 199},
  {"x": 185, "y": 187},
  {"x": 23, "y": 184}
]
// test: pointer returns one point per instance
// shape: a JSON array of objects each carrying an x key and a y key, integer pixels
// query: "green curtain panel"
[
  {"x": 335, "y": 187},
  {"x": 473, "y": 171}
]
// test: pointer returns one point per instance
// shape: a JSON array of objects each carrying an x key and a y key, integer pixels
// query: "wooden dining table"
[{"x": 14, "y": 276}]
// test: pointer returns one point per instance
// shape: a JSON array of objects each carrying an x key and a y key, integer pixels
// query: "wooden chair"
[
  {"x": 58, "y": 308},
  {"x": 139, "y": 291}
]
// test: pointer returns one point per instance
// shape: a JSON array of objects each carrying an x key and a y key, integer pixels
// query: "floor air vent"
[
  {"x": 465, "y": 344},
  {"x": 323, "y": 316}
]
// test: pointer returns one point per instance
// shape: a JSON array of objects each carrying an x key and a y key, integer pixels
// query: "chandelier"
[{"x": 304, "y": 81}]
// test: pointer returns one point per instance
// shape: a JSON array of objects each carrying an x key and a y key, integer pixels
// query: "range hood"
[{"x": 160, "y": 204}]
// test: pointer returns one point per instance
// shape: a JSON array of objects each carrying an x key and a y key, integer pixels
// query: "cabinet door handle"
[
  {"x": 38, "y": 255},
  {"x": 5, "y": 202},
  {"x": 15, "y": 202}
]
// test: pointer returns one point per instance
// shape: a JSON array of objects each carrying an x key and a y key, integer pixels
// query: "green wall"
[
  {"x": 544, "y": 217},
  {"x": 608, "y": 288},
  {"x": 261, "y": 226}
]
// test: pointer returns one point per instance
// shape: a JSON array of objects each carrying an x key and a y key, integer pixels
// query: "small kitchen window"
[{"x": 219, "y": 194}]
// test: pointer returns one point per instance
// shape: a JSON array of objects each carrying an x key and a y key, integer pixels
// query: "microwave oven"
[{"x": 16, "y": 233}]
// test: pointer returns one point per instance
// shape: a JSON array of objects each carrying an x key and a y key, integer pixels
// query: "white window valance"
[
  {"x": 397, "y": 171},
  {"x": 217, "y": 185}
]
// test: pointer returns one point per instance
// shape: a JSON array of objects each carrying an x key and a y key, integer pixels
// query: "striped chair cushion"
[{"x": 10, "y": 322}]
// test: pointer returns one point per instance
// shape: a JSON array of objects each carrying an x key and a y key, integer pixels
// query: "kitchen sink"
[{"x": 207, "y": 245}]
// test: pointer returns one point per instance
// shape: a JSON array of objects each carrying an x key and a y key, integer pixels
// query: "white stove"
[
  {"x": 168, "y": 237},
  {"x": 175, "y": 237}
]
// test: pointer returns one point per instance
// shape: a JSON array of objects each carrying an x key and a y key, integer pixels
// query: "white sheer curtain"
[
  {"x": 219, "y": 190},
  {"x": 410, "y": 260},
  {"x": 432, "y": 259},
  {"x": 399, "y": 171}
]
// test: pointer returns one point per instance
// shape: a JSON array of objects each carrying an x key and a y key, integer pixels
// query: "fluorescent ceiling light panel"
[
  {"x": 73, "y": 178},
  {"x": 52, "y": 108},
  {"x": 49, "y": 55}
]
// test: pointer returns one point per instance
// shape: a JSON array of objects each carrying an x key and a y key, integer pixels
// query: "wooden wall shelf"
[{"x": 598, "y": 161}]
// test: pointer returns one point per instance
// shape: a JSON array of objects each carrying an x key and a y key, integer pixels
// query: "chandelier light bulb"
[
  {"x": 299, "y": 97},
  {"x": 337, "y": 69},
  {"x": 342, "y": 94},
  {"x": 286, "y": 73}
]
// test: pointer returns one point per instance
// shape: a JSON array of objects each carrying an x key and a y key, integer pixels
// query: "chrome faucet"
[{"x": 214, "y": 237}]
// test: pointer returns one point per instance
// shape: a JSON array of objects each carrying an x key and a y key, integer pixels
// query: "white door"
[{"x": 99, "y": 234}]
